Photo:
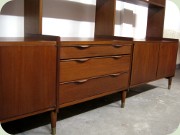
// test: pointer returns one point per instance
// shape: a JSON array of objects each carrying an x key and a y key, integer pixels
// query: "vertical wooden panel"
[
  {"x": 27, "y": 79},
  {"x": 167, "y": 59},
  {"x": 145, "y": 61},
  {"x": 160, "y": 2},
  {"x": 155, "y": 24},
  {"x": 33, "y": 17},
  {"x": 105, "y": 17}
]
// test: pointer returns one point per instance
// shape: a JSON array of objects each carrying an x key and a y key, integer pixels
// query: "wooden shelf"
[{"x": 146, "y": 3}]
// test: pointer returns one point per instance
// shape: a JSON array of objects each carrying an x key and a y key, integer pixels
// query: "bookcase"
[{"x": 90, "y": 68}]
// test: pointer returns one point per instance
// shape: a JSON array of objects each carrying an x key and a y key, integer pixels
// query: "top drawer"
[{"x": 79, "y": 51}]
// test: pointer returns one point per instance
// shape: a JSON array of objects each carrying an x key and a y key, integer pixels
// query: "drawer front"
[
  {"x": 77, "y": 69},
  {"x": 93, "y": 50},
  {"x": 82, "y": 89}
]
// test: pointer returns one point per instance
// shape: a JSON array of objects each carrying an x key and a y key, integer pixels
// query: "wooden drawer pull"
[
  {"x": 83, "y": 46},
  {"x": 81, "y": 81},
  {"x": 117, "y": 46},
  {"x": 82, "y": 60},
  {"x": 116, "y": 57},
  {"x": 115, "y": 75}
]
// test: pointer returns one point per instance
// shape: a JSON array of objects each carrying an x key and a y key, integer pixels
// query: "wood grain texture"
[
  {"x": 167, "y": 59},
  {"x": 105, "y": 17},
  {"x": 160, "y": 2},
  {"x": 155, "y": 22},
  {"x": 74, "y": 69},
  {"x": 145, "y": 62},
  {"x": 73, "y": 91},
  {"x": 27, "y": 79},
  {"x": 33, "y": 16}
]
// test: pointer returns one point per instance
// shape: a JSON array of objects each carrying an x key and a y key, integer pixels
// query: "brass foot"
[
  {"x": 53, "y": 131},
  {"x": 122, "y": 105}
]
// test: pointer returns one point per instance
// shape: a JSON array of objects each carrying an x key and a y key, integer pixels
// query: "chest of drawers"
[{"x": 93, "y": 69}]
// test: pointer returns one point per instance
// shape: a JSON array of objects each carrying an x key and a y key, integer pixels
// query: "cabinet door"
[
  {"x": 27, "y": 80},
  {"x": 144, "y": 65},
  {"x": 167, "y": 59}
]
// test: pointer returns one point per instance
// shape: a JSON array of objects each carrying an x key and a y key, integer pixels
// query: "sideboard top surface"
[{"x": 24, "y": 41}]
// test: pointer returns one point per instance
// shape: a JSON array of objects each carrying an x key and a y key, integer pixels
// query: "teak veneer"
[{"x": 41, "y": 73}]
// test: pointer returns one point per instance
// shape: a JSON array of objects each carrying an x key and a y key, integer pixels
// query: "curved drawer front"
[
  {"x": 76, "y": 69},
  {"x": 80, "y": 51},
  {"x": 80, "y": 90}
]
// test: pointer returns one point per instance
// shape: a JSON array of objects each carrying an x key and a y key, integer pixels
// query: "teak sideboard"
[{"x": 41, "y": 73}]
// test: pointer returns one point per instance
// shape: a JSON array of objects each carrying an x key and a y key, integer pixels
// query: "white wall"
[
  {"x": 69, "y": 18},
  {"x": 172, "y": 23},
  {"x": 73, "y": 18},
  {"x": 131, "y": 21},
  {"x": 12, "y": 20}
]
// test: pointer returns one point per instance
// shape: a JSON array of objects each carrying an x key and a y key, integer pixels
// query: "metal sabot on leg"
[
  {"x": 122, "y": 105},
  {"x": 53, "y": 131}
]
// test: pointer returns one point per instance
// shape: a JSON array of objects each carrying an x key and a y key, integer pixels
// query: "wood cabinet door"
[
  {"x": 167, "y": 59},
  {"x": 145, "y": 60},
  {"x": 27, "y": 80}
]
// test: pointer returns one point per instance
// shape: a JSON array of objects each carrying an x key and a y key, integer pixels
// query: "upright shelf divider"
[
  {"x": 105, "y": 17},
  {"x": 33, "y": 16}
]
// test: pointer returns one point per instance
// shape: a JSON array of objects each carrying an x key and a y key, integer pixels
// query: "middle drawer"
[{"x": 76, "y": 69}]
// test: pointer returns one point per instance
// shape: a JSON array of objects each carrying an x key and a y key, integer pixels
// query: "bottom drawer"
[{"x": 76, "y": 91}]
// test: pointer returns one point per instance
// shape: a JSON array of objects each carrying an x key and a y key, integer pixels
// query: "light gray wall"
[{"x": 12, "y": 20}]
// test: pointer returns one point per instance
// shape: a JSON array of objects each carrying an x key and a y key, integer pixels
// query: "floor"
[{"x": 150, "y": 109}]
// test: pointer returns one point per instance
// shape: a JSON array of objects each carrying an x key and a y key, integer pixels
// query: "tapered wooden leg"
[
  {"x": 169, "y": 82},
  {"x": 123, "y": 98},
  {"x": 53, "y": 122}
]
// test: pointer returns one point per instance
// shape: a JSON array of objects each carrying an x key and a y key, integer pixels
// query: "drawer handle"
[
  {"x": 116, "y": 57},
  {"x": 82, "y": 60},
  {"x": 83, "y": 46},
  {"x": 115, "y": 75},
  {"x": 117, "y": 46},
  {"x": 81, "y": 81}
]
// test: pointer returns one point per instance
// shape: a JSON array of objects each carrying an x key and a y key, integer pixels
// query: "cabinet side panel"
[
  {"x": 167, "y": 59},
  {"x": 105, "y": 17},
  {"x": 27, "y": 79},
  {"x": 33, "y": 17}
]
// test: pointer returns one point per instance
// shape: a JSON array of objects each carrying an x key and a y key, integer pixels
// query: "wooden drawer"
[
  {"x": 79, "y": 90},
  {"x": 76, "y": 69},
  {"x": 80, "y": 51}
]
